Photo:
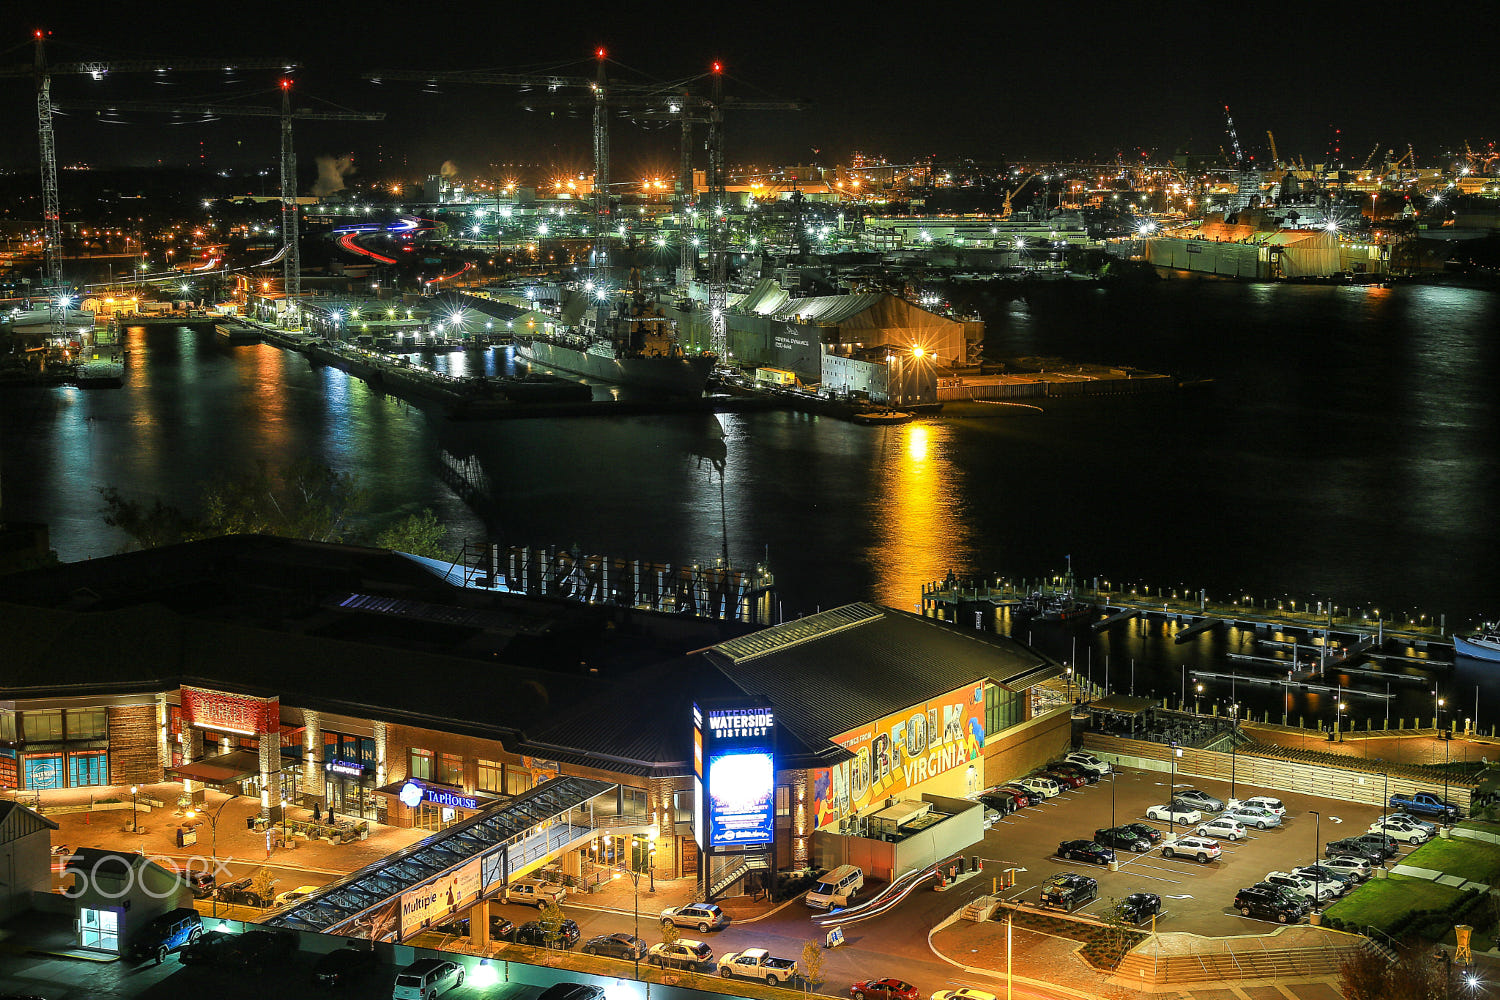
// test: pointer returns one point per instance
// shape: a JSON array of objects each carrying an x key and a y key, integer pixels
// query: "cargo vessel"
[{"x": 625, "y": 341}]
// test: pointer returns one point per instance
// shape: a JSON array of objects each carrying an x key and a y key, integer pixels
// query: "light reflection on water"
[{"x": 918, "y": 532}]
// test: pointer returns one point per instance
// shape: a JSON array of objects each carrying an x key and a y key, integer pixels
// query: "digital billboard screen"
[{"x": 739, "y": 773}]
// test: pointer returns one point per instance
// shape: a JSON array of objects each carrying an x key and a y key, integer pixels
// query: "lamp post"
[
  {"x": 134, "y": 821},
  {"x": 1172, "y": 794},
  {"x": 1197, "y": 695},
  {"x": 1317, "y": 840},
  {"x": 1112, "y": 773},
  {"x": 284, "y": 832},
  {"x": 1234, "y": 733},
  {"x": 213, "y": 825}
]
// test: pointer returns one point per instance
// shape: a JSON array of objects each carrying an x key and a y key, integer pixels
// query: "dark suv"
[
  {"x": 240, "y": 892},
  {"x": 166, "y": 933},
  {"x": 1069, "y": 891},
  {"x": 1123, "y": 838},
  {"x": 1267, "y": 903}
]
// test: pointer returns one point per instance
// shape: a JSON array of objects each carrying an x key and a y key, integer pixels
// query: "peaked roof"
[{"x": 17, "y": 821}]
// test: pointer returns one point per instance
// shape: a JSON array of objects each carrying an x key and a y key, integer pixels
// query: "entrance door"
[{"x": 100, "y": 929}]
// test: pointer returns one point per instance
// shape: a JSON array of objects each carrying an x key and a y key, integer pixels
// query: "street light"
[
  {"x": 213, "y": 824},
  {"x": 134, "y": 816},
  {"x": 1234, "y": 734},
  {"x": 1197, "y": 694},
  {"x": 1172, "y": 793},
  {"x": 1317, "y": 840}
]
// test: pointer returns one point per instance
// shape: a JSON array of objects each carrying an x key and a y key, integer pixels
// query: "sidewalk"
[
  {"x": 156, "y": 833},
  {"x": 619, "y": 895}
]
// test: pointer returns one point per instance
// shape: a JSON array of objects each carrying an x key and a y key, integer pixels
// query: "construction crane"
[
  {"x": 1371, "y": 158},
  {"x": 1271, "y": 136},
  {"x": 291, "y": 256},
  {"x": 42, "y": 73},
  {"x": 1234, "y": 140}
]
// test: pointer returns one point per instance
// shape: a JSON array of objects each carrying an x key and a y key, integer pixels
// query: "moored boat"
[
  {"x": 1482, "y": 644},
  {"x": 883, "y": 417}
]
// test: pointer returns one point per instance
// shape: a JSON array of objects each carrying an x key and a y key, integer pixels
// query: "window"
[
  {"x": 88, "y": 768},
  {"x": 1002, "y": 709},
  {"x": 8, "y": 726},
  {"x": 490, "y": 776},
  {"x": 40, "y": 727},
  {"x": 367, "y": 751},
  {"x": 450, "y": 769},
  {"x": 634, "y": 801},
  {"x": 43, "y": 770},
  {"x": 682, "y": 806},
  {"x": 419, "y": 764},
  {"x": 517, "y": 780},
  {"x": 86, "y": 724}
]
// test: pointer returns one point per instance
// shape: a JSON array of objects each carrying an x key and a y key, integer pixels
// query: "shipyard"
[{"x": 536, "y": 507}]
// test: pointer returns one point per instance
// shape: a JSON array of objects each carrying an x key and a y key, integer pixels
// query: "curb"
[{"x": 974, "y": 970}]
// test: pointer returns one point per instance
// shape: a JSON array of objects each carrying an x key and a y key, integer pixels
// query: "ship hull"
[
  {"x": 1477, "y": 650},
  {"x": 685, "y": 376}
]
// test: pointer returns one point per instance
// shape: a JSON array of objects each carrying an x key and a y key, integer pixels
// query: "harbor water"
[{"x": 1343, "y": 447}]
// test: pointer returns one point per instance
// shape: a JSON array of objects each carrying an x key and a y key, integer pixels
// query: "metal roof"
[
  {"x": 486, "y": 832},
  {"x": 768, "y": 298}
]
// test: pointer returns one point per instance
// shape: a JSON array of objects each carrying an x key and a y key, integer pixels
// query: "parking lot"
[{"x": 1195, "y": 897}]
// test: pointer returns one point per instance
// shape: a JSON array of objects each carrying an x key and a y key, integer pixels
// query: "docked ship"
[
  {"x": 626, "y": 341},
  {"x": 1483, "y": 644}
]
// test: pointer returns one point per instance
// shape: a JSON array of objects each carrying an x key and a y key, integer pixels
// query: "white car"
[
  {"x": 1319, "y": 873},
  {"x": 1303, "y": 886},
  {"x": 1174, "y": 813},
  {"x": 1253, "y": 816},
  {"x": 1265, "y": 802},
  {"x": 1431, "y": 828},
  {"x": 1200, "y": 848},
  {"x": 963, "y": 993},
  {"x": 1350, "y": 865},
  {"x": 991, "y": 817},
  {"x": 1400, "y": 829},
  {"x": 1088, "y": 762},
  {"x": 1046, "y": 787},
  {"x": 1223, "y": 826}
]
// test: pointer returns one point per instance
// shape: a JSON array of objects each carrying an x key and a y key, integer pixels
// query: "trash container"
[{"x": 249, "y": 822}]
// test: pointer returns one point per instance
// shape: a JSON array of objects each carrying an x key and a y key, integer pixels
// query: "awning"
[{"x": 220, "y": 769}]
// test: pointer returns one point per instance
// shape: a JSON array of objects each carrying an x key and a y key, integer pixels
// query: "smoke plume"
[
  {"x": 331, "y": 173},
  {"x": 448, "y": 169}
]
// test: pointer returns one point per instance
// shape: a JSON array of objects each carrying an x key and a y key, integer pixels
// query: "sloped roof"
[
  {"x": 768, "y": 298},
  {"x": 16, "y": 821}
]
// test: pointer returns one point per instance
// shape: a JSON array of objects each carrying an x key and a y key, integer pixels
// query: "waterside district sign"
[{"x": 734, "y": 762}]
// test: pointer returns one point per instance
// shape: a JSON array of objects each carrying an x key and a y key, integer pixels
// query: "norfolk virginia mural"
[{"x": 900, "y": 751}]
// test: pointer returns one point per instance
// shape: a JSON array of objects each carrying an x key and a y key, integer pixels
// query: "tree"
[
  {"x": 1366, "y": 974},
  {"x": 670, "y": 933},
  {"x": 550, "y": 916},
  {"x": 262, "y": 883},
  {"x": 148, "y": 527},
  {"x": 811, "y": 966},
  {"x": 1118, "y": 933},
  {"x": 420, "y": 534},
  {"x": 306, "y": 500}
]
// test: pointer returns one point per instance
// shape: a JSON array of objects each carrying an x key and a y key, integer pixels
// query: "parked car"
[
  {"x": 1254, "y": 816},
  {"x": 964, "y": 993},
  {"x": 758, "y": 963},
  {"x": 1355, "y": 847},
  {"x": 1308, "y": 888},
  {"x": 165, "y": 934},
  {"x": 681, "y": 954},
  {"x": 991, "y": 817},
  {"x": 1146, "y": 830},
  {"x": 1069, "y": 891},
  {"x": 292, "y": 895},
  {"x": 884, "y": 989},
  {"x": 206, "y": 950},
  {"x": 255, "y": 951},
  {"x": 1200, "y": 848},
  {"x": 1175, "y": 812},
  {"x": 535, "y": 892},
  {"x": 619, "y": 945},
  {"x": 1267, "y": 904},
  {"x": 1045, "y": 787},
  {"x": 1077, "y": 770},
  {"x": 704, "y": 916},
  {"x": 1085, "y": 850},
  {"x": 1222, "y": 826},
  {"x": 532, "y": 933},
  {"x": 1431, "y": 828},
  {"x": 1358, "y": 867},
  {"x": 1275, "y": 805},
  {"x": 1427, "y": 804},
  {"x": 1139, "y": 905},
  {"x": 426, "y": 978},
  {"x": 1381, "y": 843},
  {"x": 1340, "y": 882},
  {"x": 1028, "y": 796},
  {"x": 239, "y": 892},
  {"x": 1122, "y": 838},
  {"x": 1400, "y": 829},
  {"x": 500, "y": 928},
  {"x": 344, "y": 966},
  {"x": 1002, "y": 803},
  {"x": 1087, "y": 760},
  {"x": 1065, "y": 778},
  {"x": 202, "y": 884},
  {"x": 1198, "y": 799},
  {"x": 1302, "y": 903},
  {"x": 572, "y": 991}
]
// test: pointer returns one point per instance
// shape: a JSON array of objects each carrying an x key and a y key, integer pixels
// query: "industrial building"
[{"x": 1260, "y": 250}]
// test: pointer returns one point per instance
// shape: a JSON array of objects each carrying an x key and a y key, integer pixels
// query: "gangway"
[
  {"x": 475, "y": 859},
  {"x": 1202, "y": 625},
  {"x": 1118, "y": 616}
]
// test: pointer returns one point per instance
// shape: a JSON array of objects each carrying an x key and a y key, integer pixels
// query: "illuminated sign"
[
  {"x": 230, "y": 713},
  {"x": 943, "y": 737},
  {"x": 436, "y": 899},
  {"x": 734, "y": 761},
  {"x": 414, "y": 793},
  {"x": 347, "y": 768}
]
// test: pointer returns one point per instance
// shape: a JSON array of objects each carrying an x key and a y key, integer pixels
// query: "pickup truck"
[
  {"x": 1425, "y": 804},
  {"x": 757, "y": 963}
]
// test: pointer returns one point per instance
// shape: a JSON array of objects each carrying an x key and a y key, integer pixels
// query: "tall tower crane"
[
  {"x": 1271, "y": 136},
  {"x": 42, "y": 74},
  {"x": 291, "y": 257}
]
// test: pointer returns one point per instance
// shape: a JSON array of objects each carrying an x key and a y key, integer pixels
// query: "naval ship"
[{"x": 624, "y": 340}]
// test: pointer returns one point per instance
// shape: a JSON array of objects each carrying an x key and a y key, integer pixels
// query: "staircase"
[
  {"x": 981, "y": 909},
  {"x": 720, "y": 881}
]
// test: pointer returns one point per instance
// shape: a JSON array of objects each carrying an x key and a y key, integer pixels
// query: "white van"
[{"x": 836, "y": 888}]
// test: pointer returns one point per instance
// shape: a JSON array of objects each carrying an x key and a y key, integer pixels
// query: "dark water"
[{"x": 1345, "y": 451}]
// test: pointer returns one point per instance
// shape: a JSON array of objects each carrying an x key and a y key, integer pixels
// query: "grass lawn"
[
  {"x": 1380, "y": 902},
  {"x": 1475, "y": 860}
]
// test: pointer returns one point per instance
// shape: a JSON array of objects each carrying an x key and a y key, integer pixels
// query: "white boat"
[{"x": 1483, "y": 644}]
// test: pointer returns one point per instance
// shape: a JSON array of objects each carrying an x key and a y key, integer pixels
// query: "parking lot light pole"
[
  {"x": 1112, "y": 798},
  {"x": 213, "y": 824},
  {"x": 1317, "y": 861},
  {"x": 1172, "y": 794}
]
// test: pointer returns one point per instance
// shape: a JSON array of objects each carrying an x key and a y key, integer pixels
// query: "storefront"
[
  {"x": 427, "y": 805},
  {"x": 53, "y": 748},
  {"x": 349, "y": 789}
]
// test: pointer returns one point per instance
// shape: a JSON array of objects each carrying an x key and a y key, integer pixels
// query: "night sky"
[{"x": 904, "y": 81}]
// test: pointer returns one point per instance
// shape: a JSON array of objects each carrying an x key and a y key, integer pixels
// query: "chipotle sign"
[{"x": 233, "y": 713}]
